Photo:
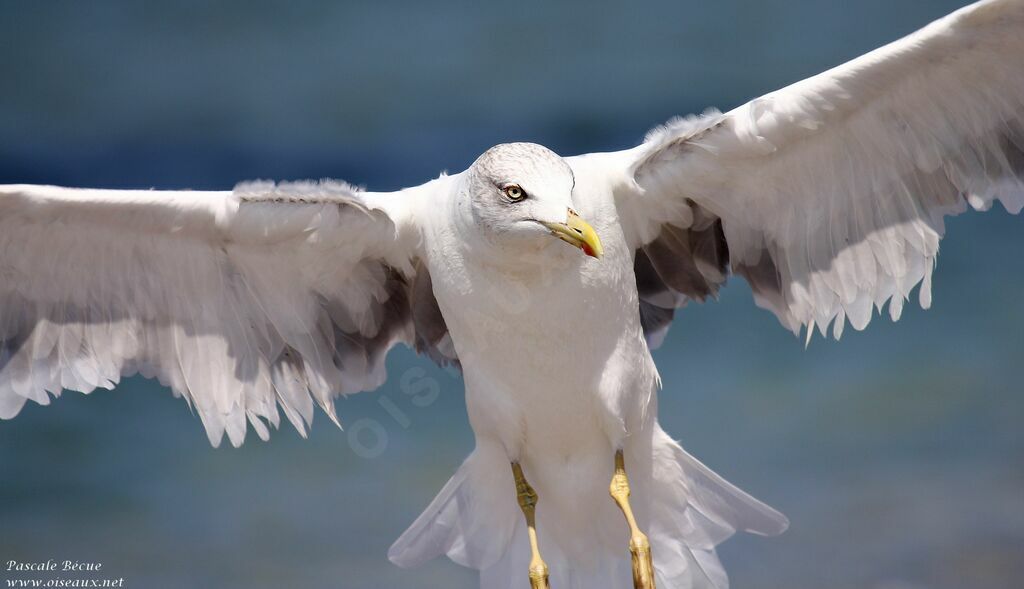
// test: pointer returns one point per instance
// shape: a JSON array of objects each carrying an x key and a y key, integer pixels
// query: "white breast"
[{"x": 552, "y": 352}]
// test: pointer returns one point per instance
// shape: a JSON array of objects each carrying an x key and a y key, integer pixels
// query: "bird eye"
[{"x": 515, "y": 192}]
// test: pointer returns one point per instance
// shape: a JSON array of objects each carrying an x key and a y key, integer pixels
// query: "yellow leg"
[
  {"x": 528, "y": 503},
  {"x": 639, "y": 545}
]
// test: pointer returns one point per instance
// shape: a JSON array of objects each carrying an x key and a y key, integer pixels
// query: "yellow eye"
[{"x": 514, "y": 192}]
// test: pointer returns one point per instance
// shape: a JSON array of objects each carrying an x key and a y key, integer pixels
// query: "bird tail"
[
  {"x": 685, "y": 508},
  {"x": 693, "y": 510},
  {"x": 471, "y": 521}
]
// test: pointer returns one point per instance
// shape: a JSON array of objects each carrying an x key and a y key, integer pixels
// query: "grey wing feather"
[
  {"x": 831, "y": 193},
  {"x": 271, "y": 295},
  {"x": 678, "y": 266}
]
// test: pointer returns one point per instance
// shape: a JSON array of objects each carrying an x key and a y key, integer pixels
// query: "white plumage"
[
  {"x": 841, "y": 180},
  {"x": 221, "y": 297},
  {"x": 827, "y": 196}
]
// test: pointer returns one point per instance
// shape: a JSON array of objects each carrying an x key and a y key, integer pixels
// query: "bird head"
[{"x": 519, "y": 196}]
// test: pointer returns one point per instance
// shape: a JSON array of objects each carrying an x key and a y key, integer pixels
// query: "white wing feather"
[
  {"x": 831, "y": 192},
  {"x": 233, "y": 300}
]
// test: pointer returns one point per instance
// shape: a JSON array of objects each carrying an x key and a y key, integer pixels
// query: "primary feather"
[
  {"x": 832, "y": 191},
  {"x": 237, "y": 302}
]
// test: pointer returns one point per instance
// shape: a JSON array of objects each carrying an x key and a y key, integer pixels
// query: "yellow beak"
[{"x": 577, "y": 233}]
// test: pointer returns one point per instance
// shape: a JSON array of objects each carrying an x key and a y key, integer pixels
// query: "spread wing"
[
  {"x": 828, "y": 196},
  {"x": 239, "y": 301}
]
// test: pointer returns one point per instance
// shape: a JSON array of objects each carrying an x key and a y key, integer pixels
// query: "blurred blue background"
[{"x": 897, "y": 453}]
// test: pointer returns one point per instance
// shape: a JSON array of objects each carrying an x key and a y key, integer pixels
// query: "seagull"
[{"x": 546, "y": 280}]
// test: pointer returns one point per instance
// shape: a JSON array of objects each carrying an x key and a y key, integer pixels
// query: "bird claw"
[
  {"x": 539, "y": 575},
  {"x": 527, "y": 499},
  {"x": 643, "y": 564}
]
